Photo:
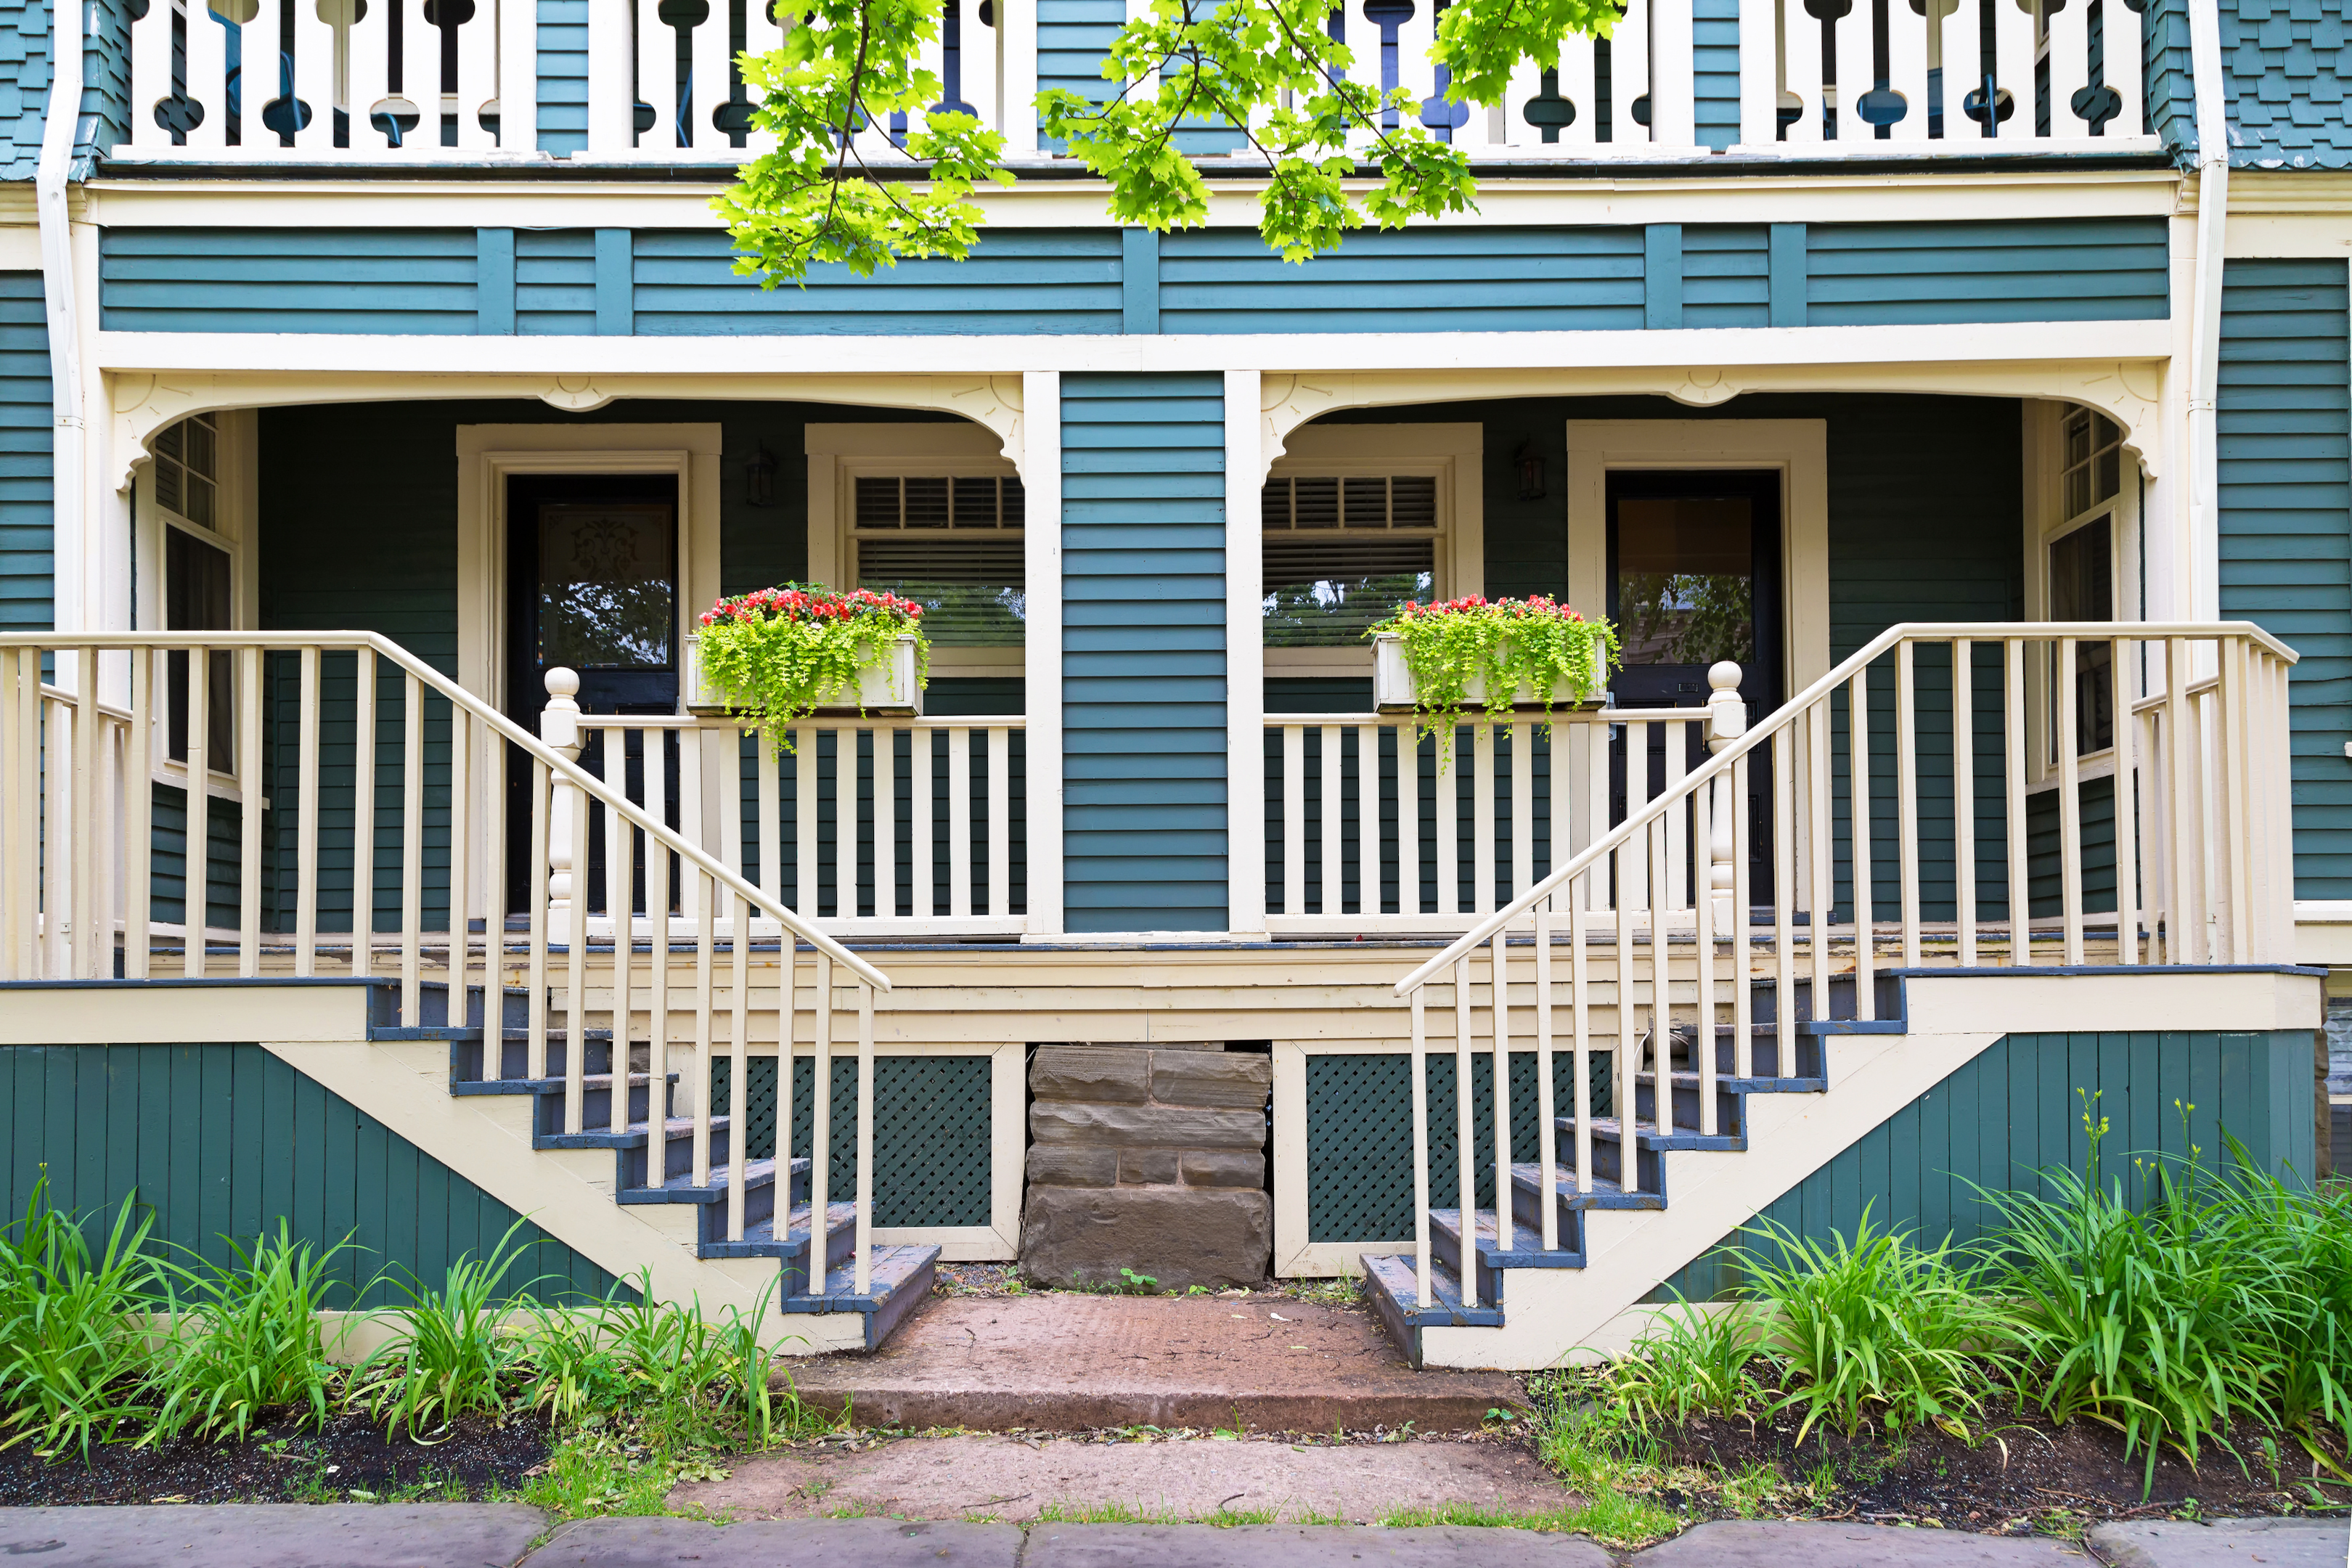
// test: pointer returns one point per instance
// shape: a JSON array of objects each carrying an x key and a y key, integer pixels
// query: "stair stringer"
[
  {"x": 1557, "y": 1315},
  {"x": 567, "y": 1193}
]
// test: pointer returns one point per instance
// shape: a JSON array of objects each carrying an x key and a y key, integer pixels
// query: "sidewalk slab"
[
  {"x": 1009, "y": 1479},
  {"x": 1757, "y": 1543},
  {"x": 273, "y": 1535},
  {"x": 2225, "y": 1543},
  {"x": 1064, "y": 1363},
  {"x": 1302, "y": 1546},
  {"x": 799, "y": 1543}
]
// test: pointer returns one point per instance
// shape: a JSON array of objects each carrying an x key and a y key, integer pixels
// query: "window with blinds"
[
  {"x": 950, "y": 543},
  {"x": 1341, "y": 552}
]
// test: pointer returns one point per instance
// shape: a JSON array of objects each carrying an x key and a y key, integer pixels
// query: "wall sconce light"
[
  {"x": 760, "y": 477},
  {"x": 1530, "y": 463}
]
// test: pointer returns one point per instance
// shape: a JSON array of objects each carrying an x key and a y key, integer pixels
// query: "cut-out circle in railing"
[
  {"x": 285, "y": 115},
  {"x": 2096, "y": 106},
  {"x": 448, "y": 13},
  {"x": 683, "y": 13},
  {"x": 1790, "y": 110},
  {"x": 1973, "y": 105},
  {"x": 1547, "y": 112},
  {"x": 1439, "y": 113},
  {"x": 733, "y": 119},
  {"x": 392, "y": 119},
  {"x": 642, "y": 118},
  {"x": 1387, "y": 14},
  {"x": 237, "y": 13},
  {"x": 1881, "y": 106},
  {"x": 1945, "y": 9},
  {"x": 987, "y": 13},
  {"x": 341, "y": 13},
  {"x": 1828, "y": 10},
  {"x": 1642, "y": 109},
  {"x": 179, "y": 116}
]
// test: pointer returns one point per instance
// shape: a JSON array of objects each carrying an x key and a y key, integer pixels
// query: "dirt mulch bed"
[
  {"x": 284, "y": 1465},
  {"x": 2021, "y": 1476}
]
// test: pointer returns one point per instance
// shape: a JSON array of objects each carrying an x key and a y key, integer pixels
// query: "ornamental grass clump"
[
  {"x": 76, "y": 1355},
  {"x": 1451, "y": 644},
  {"x": 779, "y": 654},
  {"x": 248, "y": 1339}
]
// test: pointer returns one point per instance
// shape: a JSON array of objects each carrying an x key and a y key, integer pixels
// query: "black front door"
[
  {"x": 1695, "y": 579},
  {"x": 591, "y": 586}
]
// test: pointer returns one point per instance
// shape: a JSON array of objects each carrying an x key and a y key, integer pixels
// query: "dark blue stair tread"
[
  {"x": 683, "y": 1190},
  {"x": 1609, "y": 1129},
  {"x": 1526, "y": 1250},
  {"x": 632, "y": 1137},
  {"x": 760, "y": 1238},
  {"x": 1396, "y": 1279},
  {"x": 1604, "y": 1195},
  {"x": 895, "y": 1268},
  {"x": 1726, "y": 1081},
  {"x": 548, "y": 1086}
]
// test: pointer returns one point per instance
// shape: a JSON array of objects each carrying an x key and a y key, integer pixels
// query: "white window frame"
[
  {"x": 1452, "y": 454},
  {"x": 2047, "y": 522},
  {"x": 840, "y": 455},
  {"x": 237, "y": 523}
]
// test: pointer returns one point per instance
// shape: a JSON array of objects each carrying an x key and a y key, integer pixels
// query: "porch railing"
[
  {"x": 869, "y": 825},
  {"x": 1354, "y": 850},
  {"x": 328, "y": 793},
  {"x": 2185, "y": 725},
  {"x": 392, "y": 81}
]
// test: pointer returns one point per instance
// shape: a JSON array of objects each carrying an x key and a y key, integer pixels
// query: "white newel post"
[
  {"x": 1727, "y": 721},
  {"x": 559, "y": 727}
]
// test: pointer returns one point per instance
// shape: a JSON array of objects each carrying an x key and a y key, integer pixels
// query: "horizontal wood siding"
[
  {"x": 1143, "y": 666},
  {"x": 1421, "y": 279},
  {"x": 2044, "y": 270},
  {"x": 1073, "y": 36},
  {"x": 563, "y": 76},
  {"x": 27, "y": 419},
  {"x": 1726, "y": 276},
  {"x": 404, "y": 281},
  {"x": 1016, "y": 280},
  {"x": 2026, "y": 1104},
  {"x": 2286, "y": 524},
  {"x": 1715, "y": 59},
  {"x": 218, "y": 1143},
  {"x": 555, "y": 281}
]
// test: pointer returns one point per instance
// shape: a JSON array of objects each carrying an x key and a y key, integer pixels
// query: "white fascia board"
[
  {"x": 780, "y": 356},
  {"x": 1513, "y": 200}
]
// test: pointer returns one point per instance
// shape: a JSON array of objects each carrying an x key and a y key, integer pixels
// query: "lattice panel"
[
  {"x": 933, "y": 1130},
  {"x": 1359, "y": 1136}
]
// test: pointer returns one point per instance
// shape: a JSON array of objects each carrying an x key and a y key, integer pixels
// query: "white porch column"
[
  {"x": 1040, "y": 461},
  {"x": 1244, "y": 658}
]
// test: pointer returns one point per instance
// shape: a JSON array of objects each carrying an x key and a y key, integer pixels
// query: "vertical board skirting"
[
  {"x": 2286, "y": 525},
  {"x": 1138, "y": 280},
  {"x": 2040, "y": 270},
  {"x": 1787, "y": 286},
  {"x": 26, "y": 551},
  {"x": 222, "y": 1141},
  {"x": 1143, "y": 664},
  {"x": 1662, "y": 275},
  {"x": 494, "y": 281},
  {"x": 2021, "y": 1108}
]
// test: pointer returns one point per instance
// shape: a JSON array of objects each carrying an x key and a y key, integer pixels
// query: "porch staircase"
[
  {"x": 777, "y": 1212},
  {"x": 1625, "y": 1199}
]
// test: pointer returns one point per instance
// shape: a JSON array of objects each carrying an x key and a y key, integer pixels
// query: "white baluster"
[
  {"x": 1759, "y": 73},
  {"x": 370, "y": 53},
  {"x": 712, "y": 79},
  {"x": 656, "y": 81},
  {"x": 2125, "y": 63},
  {"x": 207, "y": 75},
  {"x": 477, "y": 86},
  {"x": 612, "y": 102},
  {"x": 2013, "y": 50},
  {"x": 1629, "y": 75},
  {"x": 258, "y": 46},
  {"x": 2070, "y": 64},
  {"x": 1673, "y": 108},
  {"x": 559, "y": 727},
  {"x": 420, "y": 75},
  {"x": 1856, "y": 70},
  {"x": 1801, "y": 73},
  {"x": 1909, "y": 48},
  {"x": 1576, "y": 85},
  {"x": 151, "y": 76},
  {"x": 518, "y": 37}
]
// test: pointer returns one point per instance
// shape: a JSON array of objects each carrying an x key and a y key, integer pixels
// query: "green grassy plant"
[
  {"x": 1875, "y": 1323},
  {"x": 76, "y": 1350},
  {"x": 1691, "y": 1361},
  {"x": 246, "y": 1339},
  {"x": 453, "y": 1353}
]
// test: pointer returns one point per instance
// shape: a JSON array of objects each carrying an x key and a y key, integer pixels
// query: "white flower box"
[
  {"x": 886, "y": 690},
  {"x": 1393, "y": 690}
]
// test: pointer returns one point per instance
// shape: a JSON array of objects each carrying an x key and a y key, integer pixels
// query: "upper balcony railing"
[{"x": 470, "y": 80}]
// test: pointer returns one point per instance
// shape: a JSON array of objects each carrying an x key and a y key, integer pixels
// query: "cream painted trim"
[
  {"x": 1588, "y": 196},
  {"x": 2195, "y": 1000},
  {"x": 20, "y": 249},
  {"x": 1289, "y": 1109},
  {"x": 1245, "y": 660},
  {"x": 160, "y": 1013},
  {"x": 2323, "y": 932},
  {"x": 145, "y": 400},
  {"x": 1798, "y": 449},
  {"x": 1041, "y": 681},
  {"x": 2046, "y": 523},
  {"x": 838, "y": 454},
  {"x": 2286, "y": 235},
  {"x": 488, "y": 454}
]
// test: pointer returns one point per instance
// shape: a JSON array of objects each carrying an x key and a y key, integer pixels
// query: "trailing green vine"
[
  {"x": 1451, "y": 644},
  {"x": 778, "y": 655}
]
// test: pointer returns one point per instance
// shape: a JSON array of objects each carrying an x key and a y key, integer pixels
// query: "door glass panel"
[
  {"x": 607, "y": 587},
  {"x": 1686, "y": 583}
]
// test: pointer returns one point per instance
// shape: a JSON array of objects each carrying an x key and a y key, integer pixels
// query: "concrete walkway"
[{"x": 470, "y": 1535}]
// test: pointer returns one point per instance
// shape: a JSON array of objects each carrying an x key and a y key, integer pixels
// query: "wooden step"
[
  {"x": 899, "y": 1282},
  {"x": 1527, "y": 1251},
  {"x": 1394, "y": 1287},
  {"x": 1527, "y": 1181}
]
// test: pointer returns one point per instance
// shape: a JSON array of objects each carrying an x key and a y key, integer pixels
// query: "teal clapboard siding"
[
  {"x": 287, "y": 280},
  {"x": 563, "y": 28},
  {"x": 1015, "y": 281},
  {"x": 1715, "y": 60},
  {"x": 2171, "y": 94},
  {"x": 1143, "y": 665},
  {"x": 555, "y": 281},
  {"x": 27, "y": 419},
  {"x": 1421, "y": 279},
  {"x": 1072, "y": 37},
  {"x": 222, "y": 1141},
  {"x": 2042, "y": 270},
  {"x": 2286, "y": 524},
  {"x": 24, "y": 43},
  {"x": 1725, "y": 275},
  {"x": 2020, "y": 1108}
]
